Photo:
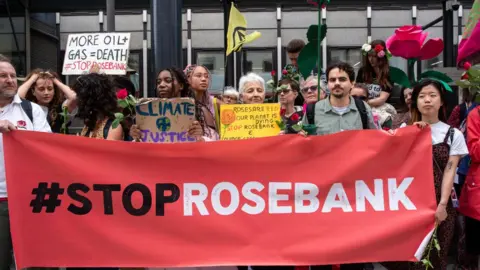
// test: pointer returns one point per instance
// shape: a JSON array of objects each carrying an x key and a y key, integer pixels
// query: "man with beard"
[
  {"x": 340, "y": 111},
  {"x": 15, "y": 113}
]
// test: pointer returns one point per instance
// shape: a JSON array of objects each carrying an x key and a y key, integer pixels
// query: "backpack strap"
[
  {"x": 106, "y": 129},
  {"x": 27, "y": 108},
  {"x": 363, "y": 112},
  {"x": 311, "y": 113}
]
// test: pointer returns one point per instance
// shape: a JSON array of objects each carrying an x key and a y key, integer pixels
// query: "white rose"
[{"x": 367, "y": 47}]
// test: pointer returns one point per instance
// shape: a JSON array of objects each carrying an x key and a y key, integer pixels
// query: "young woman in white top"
[{"x": 428, "y": 109}]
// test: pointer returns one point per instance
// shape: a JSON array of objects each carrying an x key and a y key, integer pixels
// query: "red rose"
[
  {"x": 284, "y": 72},
  {"x": 295, "y": 117},
  {"x": 324, "y": 6},
  {"x": 283, "y": 111},
  {"x": 465, "y": 76},
  {"x": 379, "y": 48},
  {"x": 386, "y": 128},
  {"x": 467, "y": 65},
  {"x": 122, "y": 94},
  {"x": 21, "y": 123},
  {"x": 273, "y": 73}
]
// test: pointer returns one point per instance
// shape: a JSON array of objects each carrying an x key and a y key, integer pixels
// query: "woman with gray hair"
[
  {"x": 252, "y": 89},
  {"x": 309, "y": 90},
  {"x": 230, "y": 95}
]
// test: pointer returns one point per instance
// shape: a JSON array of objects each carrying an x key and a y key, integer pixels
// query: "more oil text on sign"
[{"x": 108, "y": 51}]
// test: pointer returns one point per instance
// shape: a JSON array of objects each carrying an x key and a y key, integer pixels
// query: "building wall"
[{"x": 347, "y": 31}]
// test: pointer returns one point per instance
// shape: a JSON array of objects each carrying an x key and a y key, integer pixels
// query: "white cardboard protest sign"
[{"x": 109, "y": 51}]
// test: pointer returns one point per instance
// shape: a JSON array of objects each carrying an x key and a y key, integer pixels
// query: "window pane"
[
  {"x": 355, "y": 58},
  {"x": 214, "y": 61},
  {"x": 338, "y": 55},
  {"x": 399, "y": 62},
  {"x": 260, "y": 63}
]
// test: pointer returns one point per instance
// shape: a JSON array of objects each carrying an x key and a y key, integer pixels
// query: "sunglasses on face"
[
  {"x": 284, "y": 91},
  {"x": 360, "y": 97},
  {"x": 312, "y": 88}
]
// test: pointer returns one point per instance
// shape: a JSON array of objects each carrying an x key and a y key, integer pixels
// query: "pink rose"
[
  {"x": 381, "y": 54},
  {"x": 409, "y": 42}
]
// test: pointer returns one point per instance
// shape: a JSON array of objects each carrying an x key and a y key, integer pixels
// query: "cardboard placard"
[
  {"x": 246, "y": 121},
  {"x": 165, "y": 120},
  {"x": 106, "y": 51}
]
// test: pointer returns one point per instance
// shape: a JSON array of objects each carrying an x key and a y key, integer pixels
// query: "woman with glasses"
[
  {"x": 290, "y": 114},
  {"x": 309, "y": 90},
  {"x": 198, "y": 78},
  {"x": 230, "y": 96}
]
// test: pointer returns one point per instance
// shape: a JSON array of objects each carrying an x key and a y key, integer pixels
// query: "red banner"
[{"x": 357, "y": 196}]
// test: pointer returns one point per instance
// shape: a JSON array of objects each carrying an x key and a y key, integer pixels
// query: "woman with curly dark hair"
[
  {"x": 171, "y": 83},
  {"x": 375, "y": 72},
  {"x": 46, "y": 89},
  {"x": 97, "y": 105}
]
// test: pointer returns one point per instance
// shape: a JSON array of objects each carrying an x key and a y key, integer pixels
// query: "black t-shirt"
[{"x": 374, "y": 88}]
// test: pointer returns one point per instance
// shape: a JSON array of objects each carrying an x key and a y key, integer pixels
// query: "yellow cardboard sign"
[{"x": 246, "y": 121}]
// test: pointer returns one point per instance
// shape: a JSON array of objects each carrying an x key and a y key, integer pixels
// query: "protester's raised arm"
[{"x": 25, "y": 87}]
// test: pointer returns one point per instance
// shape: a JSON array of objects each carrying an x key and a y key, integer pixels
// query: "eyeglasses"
[
  {"x": 312, "y": 88},
  {"x": 284, "y": 91},
  {"x": 360, "y": 97}
]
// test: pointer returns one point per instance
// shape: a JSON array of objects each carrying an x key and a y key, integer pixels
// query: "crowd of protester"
[{"x": 345, "y": 101}]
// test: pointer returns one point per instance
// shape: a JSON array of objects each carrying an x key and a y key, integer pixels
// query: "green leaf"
[
  {"x": 473, "y": 72},
  {"x": 115, "y": 123},
  {"x": 297, "y": 127},
  {"x": 398, "y": 76},
  {"x": 463, "y": 84},
  {"x": 437, "y": 245},
  {"x": 307, "y": 60},
  {"x": 445, "y": 85},
  {"x": 312, "y": 33},
  {"x": 432, "y": 74},
  {"x": 122, "y": 103},
  {"x": 131, "y": 101},
  {"x": 425, "y": 262},
  {"x": 280, "y": 124},
  {"x": 119, "y": 116}
]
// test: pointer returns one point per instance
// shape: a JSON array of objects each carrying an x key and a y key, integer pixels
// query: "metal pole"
[
  {"x": 432, "y": 23},
  {"x": 110, "y": 15},
  {"x": 229, "y": 67},
  {"x": 448, "y": 53}
]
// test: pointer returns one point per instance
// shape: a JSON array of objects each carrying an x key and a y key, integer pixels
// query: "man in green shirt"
[{"x": 339, "y": 112}]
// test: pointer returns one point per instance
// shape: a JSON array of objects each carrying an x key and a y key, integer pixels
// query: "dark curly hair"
[
  {"x": 186, "y": 92},
  {"x": 96, "y": 98},
  {"x": 58, "y": 96}
]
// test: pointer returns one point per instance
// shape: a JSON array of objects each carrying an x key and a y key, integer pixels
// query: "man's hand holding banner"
[{"x": 357, "y": 196}]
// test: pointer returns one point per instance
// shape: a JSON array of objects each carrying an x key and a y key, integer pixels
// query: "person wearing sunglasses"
[{"x": 309, "y": 90}]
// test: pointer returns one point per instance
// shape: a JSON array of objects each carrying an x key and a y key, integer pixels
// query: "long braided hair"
[
  {"x": 203, "y": 102},
  {"x": 187, "y": 92}
]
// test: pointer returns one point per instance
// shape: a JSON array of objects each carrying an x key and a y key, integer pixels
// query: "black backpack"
[
  {"x": 27, "y": 108},
  {"x": 360, "y": 106}
]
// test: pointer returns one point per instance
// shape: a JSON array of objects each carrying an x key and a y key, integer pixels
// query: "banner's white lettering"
[{"x": 298, "y": 198}]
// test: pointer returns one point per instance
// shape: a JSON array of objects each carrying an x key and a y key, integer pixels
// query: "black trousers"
[{"x": 6, "y": 249}]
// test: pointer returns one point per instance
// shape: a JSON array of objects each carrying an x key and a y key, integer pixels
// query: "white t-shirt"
[{"x": 458, "y": 146}]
